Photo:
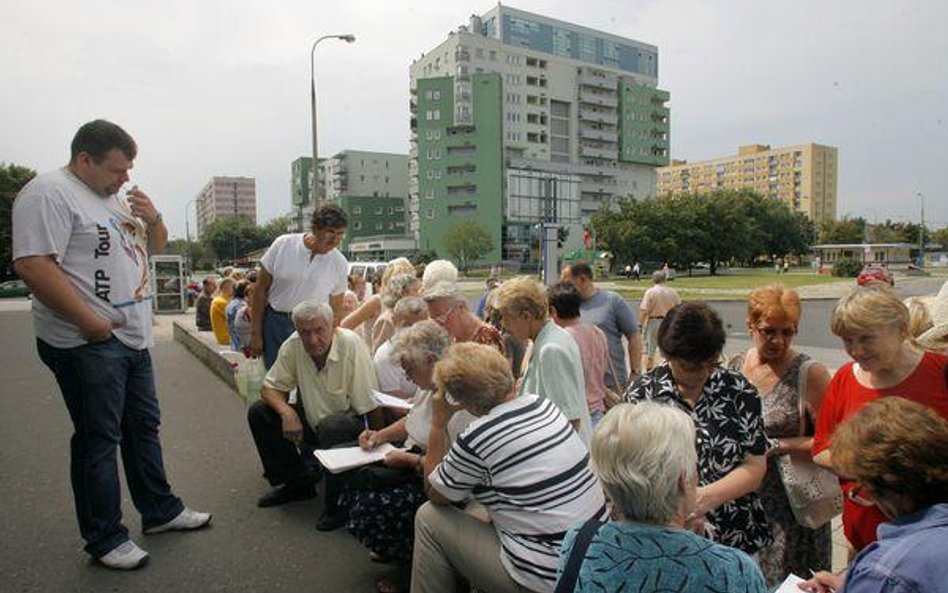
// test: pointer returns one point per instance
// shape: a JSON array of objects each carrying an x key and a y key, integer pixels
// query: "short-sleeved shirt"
[
  {"x": 100, "y": 247},
  {"x": 594, "y": 352},
  {"x": 344, "y": 384},
  {"x": 525, "y": 463},
  {"x": 845, "y": 396},
  {"x": 609, "y": 312},
  {"x": 299, "y": 276},
  {"x": 219, "y": 320},
  {"x": 555, "y": 371},
  {"x": 729, "y": 427},
  {"x": 659, "y": 300},
  {"x": 391, "y": 376},
  {"x": 418, "y": 421},
  {"x": 662, "y": 559}
]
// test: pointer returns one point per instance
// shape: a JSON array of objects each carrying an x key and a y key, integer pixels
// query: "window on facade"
[
  {"x": 357, "y": 209},
  {"x": 433, "y": 114},
  {"x": 429, "y": 213},
  {"x": 357, "y": 225},
  {"x": 379, "y": 210}
]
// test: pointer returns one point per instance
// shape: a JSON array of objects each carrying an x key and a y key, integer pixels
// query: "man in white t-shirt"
[
  {"x": 83, "y": 249},
  {"x": 298, "y": 267}
]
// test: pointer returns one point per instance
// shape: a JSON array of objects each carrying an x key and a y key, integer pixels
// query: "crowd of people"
[{"x": 538, "y": 447}]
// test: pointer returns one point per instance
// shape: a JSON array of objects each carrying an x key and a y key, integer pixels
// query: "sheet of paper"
[
  {"x": 789, "y": 584},
  {"x": 345, "y": 458},
  {"x": 390, "y": 401}
]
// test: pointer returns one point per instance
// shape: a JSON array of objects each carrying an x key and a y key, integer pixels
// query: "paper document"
[
  {"x": 390, "y": 401},
  {"x": 345, "y": 458},
  {"x": 789, "y": 584}
]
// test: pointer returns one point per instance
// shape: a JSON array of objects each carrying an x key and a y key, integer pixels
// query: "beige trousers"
[{"x": 452, "y": 546}]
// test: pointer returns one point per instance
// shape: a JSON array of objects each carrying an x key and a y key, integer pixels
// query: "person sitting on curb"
[{"x": 333, "y": 373}]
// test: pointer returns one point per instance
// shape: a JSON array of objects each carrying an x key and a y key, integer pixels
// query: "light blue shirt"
[
  {"x": 910, "y": 556},
  {"x": 555, "y": 371},
  {"x": 641, "y": 558},
  {"x": 612, "y": 314}
]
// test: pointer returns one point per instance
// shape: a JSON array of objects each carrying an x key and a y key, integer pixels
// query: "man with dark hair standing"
[
  {"x": 609, "y": 312},
  {"x": 83, "y": 251},
  {"x": 298, "y": 267}
]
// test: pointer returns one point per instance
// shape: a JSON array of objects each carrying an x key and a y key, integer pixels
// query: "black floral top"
[{"x": 729, "y": 426}]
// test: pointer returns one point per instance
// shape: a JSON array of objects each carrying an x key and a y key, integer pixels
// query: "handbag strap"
[
  {"x": 801, "y": 394},
  {"x": 567, "y": 582}
]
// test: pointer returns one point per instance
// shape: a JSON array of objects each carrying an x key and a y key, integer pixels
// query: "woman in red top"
[{"x": 873, "y": 324}]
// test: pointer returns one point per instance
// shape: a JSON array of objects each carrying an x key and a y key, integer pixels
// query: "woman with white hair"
[
  {"x": 644, "y": 456},
  {"x": 400, "y": 285},
  {"x": 370, "y": 309}
]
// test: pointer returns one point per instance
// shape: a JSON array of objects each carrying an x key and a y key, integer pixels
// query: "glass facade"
[{"x": 562, "y": 41}]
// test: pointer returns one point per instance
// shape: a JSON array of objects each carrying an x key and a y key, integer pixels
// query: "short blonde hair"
[
  {"x": 398, "y": 287},
  {"x": 920, "y": 319},
  {"x": 640, "y": 452},
  {"x": 867, "y": 308},
  {"x": 474, "y": 375},
  {"x": 895, "y": 446},
  {"x": 399, "y": 265},
  {"x": 773, "y": 302},
  {"x": 521, "y": 295}
]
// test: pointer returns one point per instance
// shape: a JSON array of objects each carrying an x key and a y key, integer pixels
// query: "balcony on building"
[
  {"x": 598, "y": 152},
  {"x": 462, "y": 190},
  {"x": 592, "y": 133},
  {"x": 598, "y": 116},
  {"x": 462, "y": 54},
  {"x": 591, "y": 97},
  {"x": 597, "y": 79}
]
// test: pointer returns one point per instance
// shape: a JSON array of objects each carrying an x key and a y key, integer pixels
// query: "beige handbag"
[{"x": 813, "y": 491}]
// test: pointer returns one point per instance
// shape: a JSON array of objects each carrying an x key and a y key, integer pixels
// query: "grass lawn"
[{"x": 726, "y": 285}]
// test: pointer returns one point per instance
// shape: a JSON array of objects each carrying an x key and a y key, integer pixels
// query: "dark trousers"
[
  {"x": 109, "y": 390},
  {"x": 282, "y": 461},
  {"x": 277, "y": 327}
]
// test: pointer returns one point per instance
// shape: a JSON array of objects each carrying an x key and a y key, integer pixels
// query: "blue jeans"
[
  {"x": 109, "y": 390},
  {"x": 277, "y": 327}
]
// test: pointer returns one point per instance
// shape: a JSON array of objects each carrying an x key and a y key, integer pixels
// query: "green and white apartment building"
[
  {"x": 518, "y": 118},
  {"x": 372, "y": 187}
]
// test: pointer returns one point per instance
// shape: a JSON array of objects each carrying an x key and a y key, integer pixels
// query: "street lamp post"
[
  {"x": 348, "y": 38},
  {"x": 187, "y": 233},
  {"x": 921, "y": 233}
]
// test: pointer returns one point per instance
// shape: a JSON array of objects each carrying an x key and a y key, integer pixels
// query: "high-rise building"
[
  {"x": 804, "y": 176},
  {"x": 372, "y": 187},
  {"x": 226, "y": 196},
  {"x": 519, "y": 118}
]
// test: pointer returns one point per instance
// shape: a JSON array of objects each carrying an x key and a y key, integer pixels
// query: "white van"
[{"x": 367, "y": 269}]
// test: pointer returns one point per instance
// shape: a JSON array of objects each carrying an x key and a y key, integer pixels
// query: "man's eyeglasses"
[
  {"x": 860, "y": 496},
  {"x": 442, "y": 319}
]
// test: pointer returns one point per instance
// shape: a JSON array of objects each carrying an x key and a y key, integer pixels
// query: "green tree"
[
  {"x": 233, "y": 237},
  {"x": 12, "y": 180},
  {"x": 844, "y": 230},
  {"x": 467, "y": 242},
  {"x": 201, "y": 257},
  {"x": 274, "y": 228},
  {"x": 941, "y": 237}
]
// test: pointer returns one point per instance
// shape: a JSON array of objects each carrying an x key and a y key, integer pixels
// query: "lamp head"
[{"x": 348, "y": 38}]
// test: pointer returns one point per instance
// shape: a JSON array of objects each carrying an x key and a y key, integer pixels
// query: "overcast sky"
[{"x": 215, "y": 87}]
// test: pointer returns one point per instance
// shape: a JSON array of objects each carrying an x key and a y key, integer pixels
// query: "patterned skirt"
[{"x": 383, "y": 519}]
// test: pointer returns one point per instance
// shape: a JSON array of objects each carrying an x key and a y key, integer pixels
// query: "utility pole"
[
  {"x": 233, "y": 257},
  {"x": 921, "y": 234}
]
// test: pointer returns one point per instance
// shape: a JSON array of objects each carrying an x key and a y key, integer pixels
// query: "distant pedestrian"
[
  {"x": 637, "y": 271},
  {"x": 657, "y": 301},
  {"x": 83, "y": 249},
  {"x": 613, "y": 315},
  {"x": 489, "y": 285},
  {"x": 298, "y": 267},
  {"x": 225, "y": 291},
  {"x": 202, "y": 306}
]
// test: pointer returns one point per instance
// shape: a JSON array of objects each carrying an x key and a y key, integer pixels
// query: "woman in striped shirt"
[{"x": 521, "y": 459}]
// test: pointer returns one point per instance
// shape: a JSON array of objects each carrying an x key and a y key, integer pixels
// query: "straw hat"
[{"x": 937, "y": 336}]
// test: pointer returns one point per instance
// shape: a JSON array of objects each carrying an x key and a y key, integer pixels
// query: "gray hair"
[
  {"x": 423, "y": 342},
  {"x": 410, "y": 306},
  {"x": 640, "y": 452},
  {"x": 398, "y": 286},
  {"x": 658, "y": 277},
  {"x": 312, "y": 309},
  {"x": 440, "y": 270},
  {"x": 441, "y": 290}
]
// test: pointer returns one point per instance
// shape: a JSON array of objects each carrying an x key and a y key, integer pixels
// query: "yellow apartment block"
[{"x": 803, "y": 176}]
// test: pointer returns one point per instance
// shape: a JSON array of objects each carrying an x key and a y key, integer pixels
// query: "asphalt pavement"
[{"x": 211, "y": 463}]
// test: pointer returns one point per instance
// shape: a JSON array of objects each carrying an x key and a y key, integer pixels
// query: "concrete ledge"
[{"x": 205, "y": 352}]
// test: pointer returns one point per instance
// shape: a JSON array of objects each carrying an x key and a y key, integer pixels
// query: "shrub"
[{"x": 846, "y": 268}]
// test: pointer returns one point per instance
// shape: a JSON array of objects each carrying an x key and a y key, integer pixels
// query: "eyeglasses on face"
[
  {"x": 860, "y": 496},
  {"x": 771, "y": 333}
]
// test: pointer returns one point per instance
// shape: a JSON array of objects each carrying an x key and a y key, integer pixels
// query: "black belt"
[
  {"x": 658, "y": 317},
  {"x": 272, "y": 310}
]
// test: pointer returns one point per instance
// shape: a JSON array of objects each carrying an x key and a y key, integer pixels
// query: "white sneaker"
[
  {"x": 125, "y": 556},
  {"x": 187, "y": 520}
]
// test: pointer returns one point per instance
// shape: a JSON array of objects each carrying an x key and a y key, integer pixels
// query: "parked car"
[
  {"x": 13, "y": 288},
  {"x": 871, "y": 274},
  {"x": 367, "y": 269}
]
